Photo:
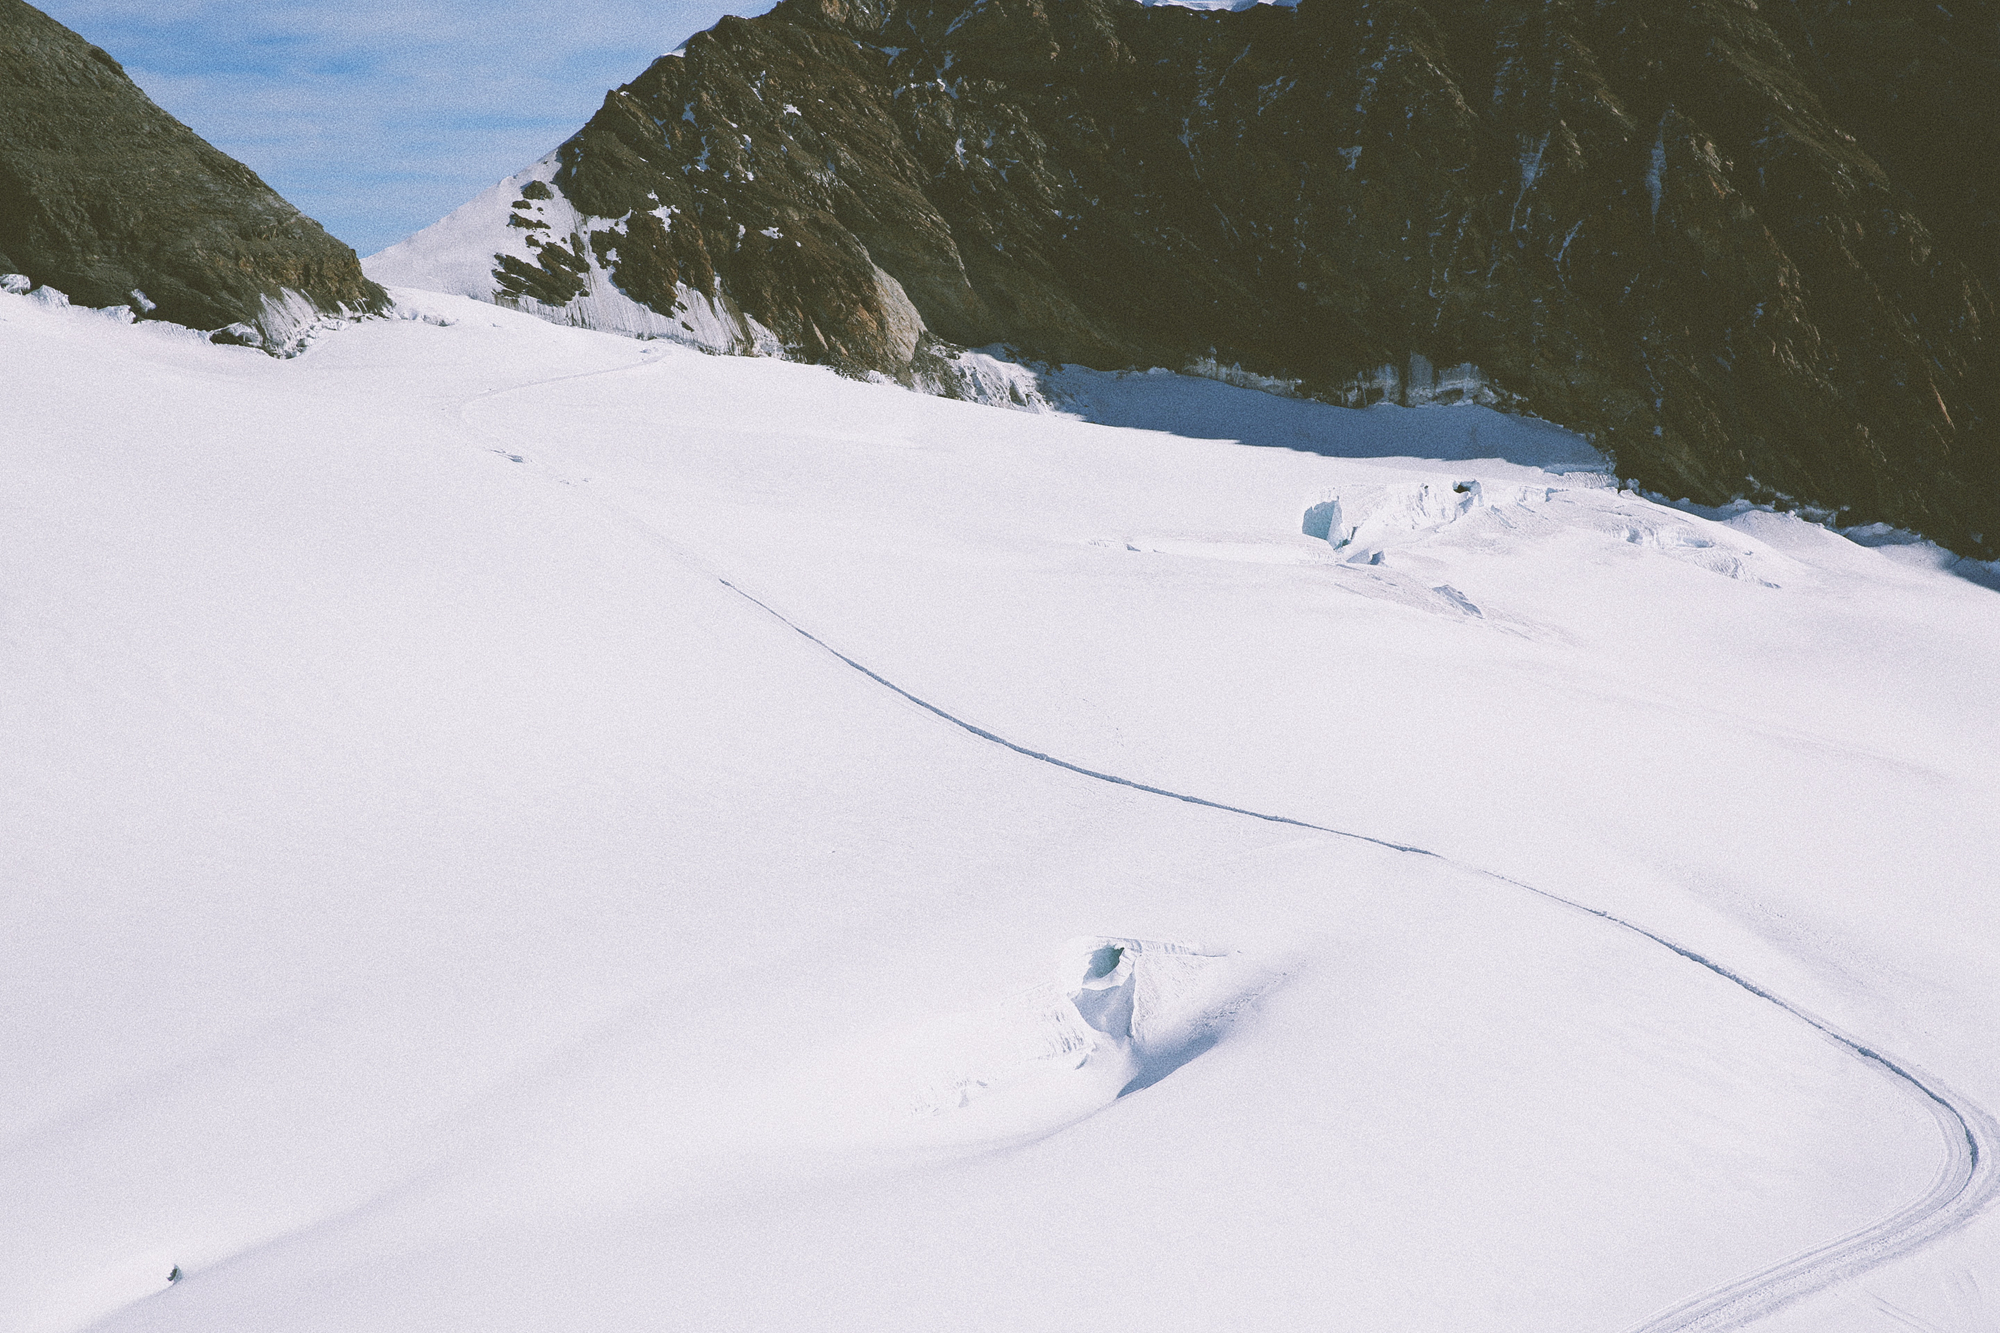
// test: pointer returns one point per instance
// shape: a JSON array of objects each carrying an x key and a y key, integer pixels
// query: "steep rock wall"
[
  {"x": 108, "y": 198},
  {"x": 1645, "y": 220}
]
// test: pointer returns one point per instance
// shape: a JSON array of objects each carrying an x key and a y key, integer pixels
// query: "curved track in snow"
[{"x": 1968, "y": 1180}]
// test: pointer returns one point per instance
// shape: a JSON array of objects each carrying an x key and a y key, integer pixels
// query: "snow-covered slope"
[
  {"x": 445, "y": 891},
  {"x": 457, "y": 254}
]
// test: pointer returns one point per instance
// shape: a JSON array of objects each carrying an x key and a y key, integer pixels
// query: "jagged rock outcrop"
[
  {"x": 108, "y": 198},
  {"x": 1748, "y": 250}
]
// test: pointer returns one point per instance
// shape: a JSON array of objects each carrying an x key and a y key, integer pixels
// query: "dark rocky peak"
[
  {"x": 109, "y": 199},
  {"x": 1649, "y": 221}
]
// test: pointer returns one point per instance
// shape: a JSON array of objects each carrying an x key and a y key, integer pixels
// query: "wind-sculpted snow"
[
  {"x": 1127, "y": 1014},
  {"x": 1364, "y": 523},
  {"x": 285, "y": 326},
  {"x": 1380, "y": 536},
  {"x": 441, "y": 898},
  {"x": 1119, "y": 1016}
]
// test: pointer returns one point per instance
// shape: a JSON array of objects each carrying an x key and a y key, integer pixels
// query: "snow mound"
[
  {"x": 1367, "y": 520},
  {"x": 1680, "y": 540},
  {"x": 1120, "y": 1015},
  {"x": 1915, "y": 551},
  {"x": 1389, "y": 585},
  {"x": 1366, "y": 515}
]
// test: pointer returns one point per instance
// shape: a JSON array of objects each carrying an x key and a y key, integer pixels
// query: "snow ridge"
[{"x": 458, "y": 254}]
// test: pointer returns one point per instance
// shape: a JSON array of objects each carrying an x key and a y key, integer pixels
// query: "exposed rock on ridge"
[
  {"x": 1642, "y": 219},
  {"x": 108, "y": 198}
]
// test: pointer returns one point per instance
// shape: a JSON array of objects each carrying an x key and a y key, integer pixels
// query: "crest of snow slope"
[
  {"x": 458, "y": 254},
  {"x": 287, "y": 324},
  {"x": 444, "y": 902}
]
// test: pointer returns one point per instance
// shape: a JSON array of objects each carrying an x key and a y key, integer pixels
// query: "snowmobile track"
[{"x": 1966, "y": 1183}]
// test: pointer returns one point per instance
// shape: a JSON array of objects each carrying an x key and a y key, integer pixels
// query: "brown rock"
[
  {"x": 108, "y": 198},
  {"x": 1650, "y": 222}
]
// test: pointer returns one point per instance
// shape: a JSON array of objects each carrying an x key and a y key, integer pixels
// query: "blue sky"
[{"x": 380, "y": 116}]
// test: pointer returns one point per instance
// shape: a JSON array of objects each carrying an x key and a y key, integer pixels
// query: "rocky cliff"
[
  {"x": 108, "y": 198},
  {"x": 1749, "y": 249}
]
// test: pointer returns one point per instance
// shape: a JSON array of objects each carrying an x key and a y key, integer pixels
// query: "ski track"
[{"x": 1967, "y": 1181}]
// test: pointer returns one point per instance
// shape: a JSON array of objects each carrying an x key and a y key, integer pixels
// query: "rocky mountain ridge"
[
  {"x": 1748, "y": 250},
  {"x": 106, "y": 197}
]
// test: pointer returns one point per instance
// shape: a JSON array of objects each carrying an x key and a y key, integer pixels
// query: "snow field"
[{"x": 440, "y": 902}]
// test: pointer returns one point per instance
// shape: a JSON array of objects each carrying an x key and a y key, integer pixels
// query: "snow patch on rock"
[
  {"x": 1416, "y": 382},
  {"x": 456, "y": 254},
  {"x": 287, "y": 324},
  {"x": 460, "y": 253},
  {"x": 1232, "y": 5},
  {"x": 1209, "y": 368},
  {"x": 980, "y": 375}
]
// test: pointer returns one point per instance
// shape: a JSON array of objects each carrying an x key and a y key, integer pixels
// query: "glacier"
[{"x": 510, "y": 826}]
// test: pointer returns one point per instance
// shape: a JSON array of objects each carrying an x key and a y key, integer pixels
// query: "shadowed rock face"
[
  {"x": 103, "y": 195},
  {"x": 1749, "y": 250}
]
